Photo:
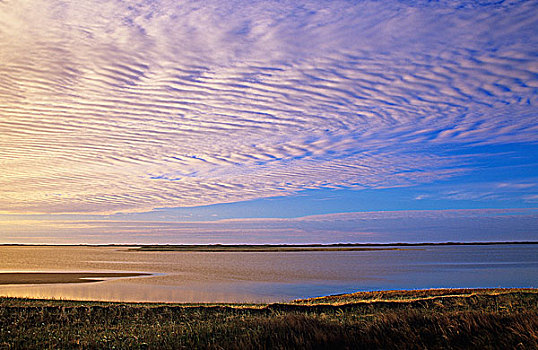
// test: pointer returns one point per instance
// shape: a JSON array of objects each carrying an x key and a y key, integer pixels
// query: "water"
[{"x": 268, "y": 276}]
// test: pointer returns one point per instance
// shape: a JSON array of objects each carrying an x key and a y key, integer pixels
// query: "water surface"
[{"x": 268, "y": 276}]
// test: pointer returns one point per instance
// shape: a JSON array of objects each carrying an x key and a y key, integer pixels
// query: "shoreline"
[{"x": 378, "y": 296}]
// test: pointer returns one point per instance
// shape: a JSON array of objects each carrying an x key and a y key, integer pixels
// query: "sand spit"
[{"x": 60, "y": 277}]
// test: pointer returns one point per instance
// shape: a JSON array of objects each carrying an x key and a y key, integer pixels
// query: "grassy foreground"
[{"x": 431, "y": 319}]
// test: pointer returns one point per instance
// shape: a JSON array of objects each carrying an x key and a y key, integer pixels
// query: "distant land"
[
  {"x": 300, "y": 247},
  {"x": 275, "y": 247},
  {"x": 255, "y": 248}
]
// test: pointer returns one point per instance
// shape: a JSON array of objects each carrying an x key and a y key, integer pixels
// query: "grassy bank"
[{"x": 433, "y": 319}]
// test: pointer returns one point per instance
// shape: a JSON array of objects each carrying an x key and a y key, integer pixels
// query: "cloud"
[
  {"x": 129, "y": 106},
  {"x": 382, "y": 226},
  {"x": 421, "y": 197},
  {"x": 531, "y": 198}
]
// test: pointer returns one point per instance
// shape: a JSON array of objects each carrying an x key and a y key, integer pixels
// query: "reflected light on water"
[
  {"x": 122, "y": 292},
  {"x": 190, "y": 277}
]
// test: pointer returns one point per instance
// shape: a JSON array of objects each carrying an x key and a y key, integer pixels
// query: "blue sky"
[{"x": 161, "y": 121}]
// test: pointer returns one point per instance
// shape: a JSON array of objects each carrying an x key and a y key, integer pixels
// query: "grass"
[{"x": 431, "y": 319}]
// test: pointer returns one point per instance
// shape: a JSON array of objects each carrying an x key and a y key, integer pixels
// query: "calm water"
[{"x": 270, "y": 276}]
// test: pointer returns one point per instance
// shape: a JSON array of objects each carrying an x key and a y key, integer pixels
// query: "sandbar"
[
  {"x": 258, "y": 248},
  {"x": 60, "y": 277}
]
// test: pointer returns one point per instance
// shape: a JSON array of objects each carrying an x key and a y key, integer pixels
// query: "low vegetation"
[{"x": 431, "y": 319}]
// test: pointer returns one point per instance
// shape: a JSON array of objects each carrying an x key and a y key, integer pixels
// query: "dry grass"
[
  {"x": 409, "y": 295},
  {"x": 437, "y": 319}
]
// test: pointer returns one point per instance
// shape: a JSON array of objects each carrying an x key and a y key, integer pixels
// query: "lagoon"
[{"x": 192, "y": 277}]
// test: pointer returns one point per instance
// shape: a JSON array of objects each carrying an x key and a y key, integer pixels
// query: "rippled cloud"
[{"x": 109, "y": 106}]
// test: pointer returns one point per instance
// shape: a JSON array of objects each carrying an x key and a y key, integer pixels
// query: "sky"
[{"x": 165, "y": 121}]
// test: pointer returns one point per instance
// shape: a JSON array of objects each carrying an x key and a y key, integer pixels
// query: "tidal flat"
[
  {"x": 61, "y": 277},
  {"x": 424, "y": 319}
]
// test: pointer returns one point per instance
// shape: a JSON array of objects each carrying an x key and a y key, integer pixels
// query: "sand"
[{"x": 60, "y": 277}]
